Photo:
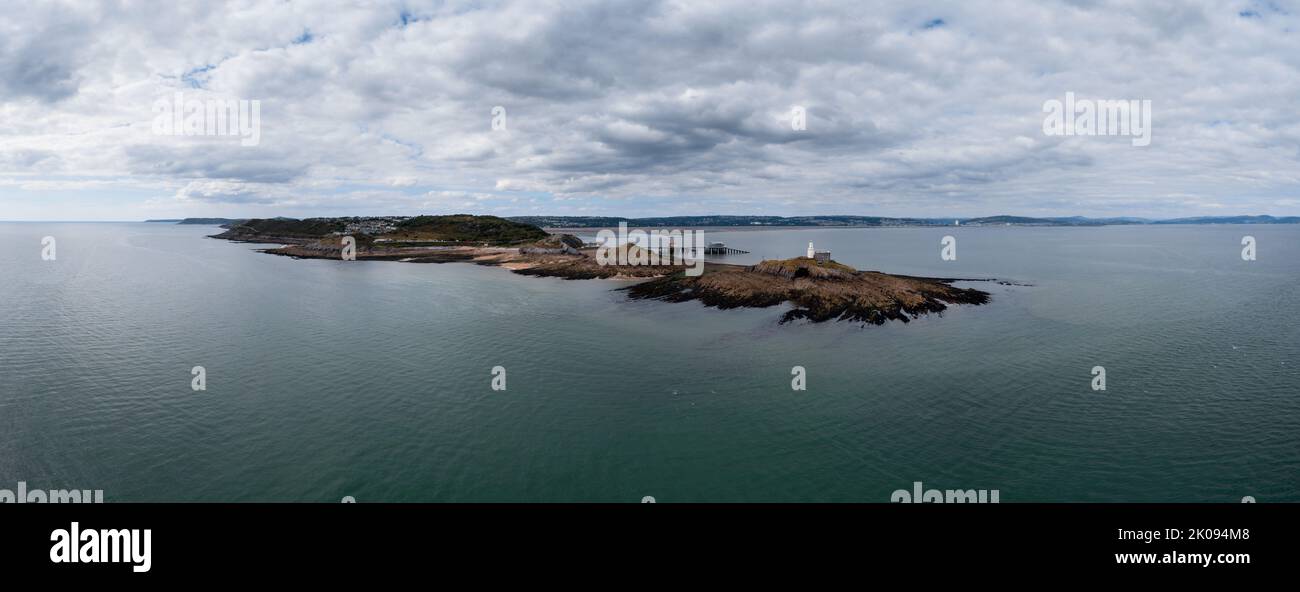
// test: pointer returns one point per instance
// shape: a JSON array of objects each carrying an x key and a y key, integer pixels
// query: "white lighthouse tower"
[{"x": 818, "y": 256}]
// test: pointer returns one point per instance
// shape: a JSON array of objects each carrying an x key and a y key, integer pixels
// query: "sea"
[{"x": 374, "y": 381}]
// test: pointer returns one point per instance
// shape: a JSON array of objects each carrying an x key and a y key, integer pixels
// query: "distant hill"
[
  {"x": 519, "y": 229},
  {"x": 207, "y": 221},
  {"x": 872, "y": 221},
  {"x": 1232, "y": 220},
  {"x": 1082, "y": 221},
  {"x": 696, "y": 221},
  {"x": 467, "y": 228},
  {"x": 1018, "y": 221},
  {"x": 284, "y": 227}
]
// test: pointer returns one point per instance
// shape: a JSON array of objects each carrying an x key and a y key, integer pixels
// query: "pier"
[
  {"x": 722, "y": 249},
  {"x": 673, "y": 249}
]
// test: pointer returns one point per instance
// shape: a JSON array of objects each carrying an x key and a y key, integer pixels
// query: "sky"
[{"x": 931, "y": 109}]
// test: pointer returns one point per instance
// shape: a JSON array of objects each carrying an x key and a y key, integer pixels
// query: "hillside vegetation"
[
  {"x": 284, "y": 227},
  {"x": 454, "y": 229},
  {"x": 467, "y": 228}
]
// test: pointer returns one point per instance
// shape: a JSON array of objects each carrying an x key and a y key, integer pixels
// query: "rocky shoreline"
[
  {"x": 818, "y": 291},
  {"x": 865, "y": 297}
]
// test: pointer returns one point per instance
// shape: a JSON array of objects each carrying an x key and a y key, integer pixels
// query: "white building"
[{"x": 818, "y": 256}]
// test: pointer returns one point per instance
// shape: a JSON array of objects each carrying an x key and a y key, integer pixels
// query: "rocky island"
[{"x": 818, "y": 289}]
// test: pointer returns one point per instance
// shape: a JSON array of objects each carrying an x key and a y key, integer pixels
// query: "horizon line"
[{"x": 955, "y": 218}]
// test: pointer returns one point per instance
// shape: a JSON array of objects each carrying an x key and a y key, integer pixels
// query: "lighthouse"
[{"x": 818, "y": 256}]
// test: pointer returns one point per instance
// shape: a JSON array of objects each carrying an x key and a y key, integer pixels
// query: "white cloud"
[{"x": 658, "y": 107}]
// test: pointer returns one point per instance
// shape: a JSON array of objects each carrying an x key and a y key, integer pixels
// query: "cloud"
[
  {"x": 226, "y": 192},
  {"x": 42, "y": 51},
  {"x": 28, "y": 160},
  {"x": 228, "y": 161},
  {"x": 663, "y": 107}
]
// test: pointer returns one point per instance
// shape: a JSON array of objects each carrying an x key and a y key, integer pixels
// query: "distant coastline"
[
  {"x": 734, "y": 222},
  {"x": 759, "y": 222}
]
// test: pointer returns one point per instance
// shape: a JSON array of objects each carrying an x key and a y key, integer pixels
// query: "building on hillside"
[{"x": 376, "y": 225}]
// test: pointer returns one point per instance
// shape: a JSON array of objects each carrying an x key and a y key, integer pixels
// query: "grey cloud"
[
  {"x": 682, "y": 102},
  {"x": 28, "y": 160},
  {"x": 42, "y": 49},
  {"x": 213, "y": 161}
]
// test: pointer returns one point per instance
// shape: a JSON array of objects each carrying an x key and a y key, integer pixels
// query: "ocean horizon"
[{"x": 374, "y": 379}]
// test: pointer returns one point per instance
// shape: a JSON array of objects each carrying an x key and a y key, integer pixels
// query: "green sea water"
[{"x": 373, "y": 380}]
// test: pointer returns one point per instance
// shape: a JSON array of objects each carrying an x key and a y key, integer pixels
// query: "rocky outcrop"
[
  {"x": 556, "y": 244},
  {"x": 818, "y": 296}
]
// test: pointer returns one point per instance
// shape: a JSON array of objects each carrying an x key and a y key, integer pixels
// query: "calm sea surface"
[{"x": 372, "y": 379}]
